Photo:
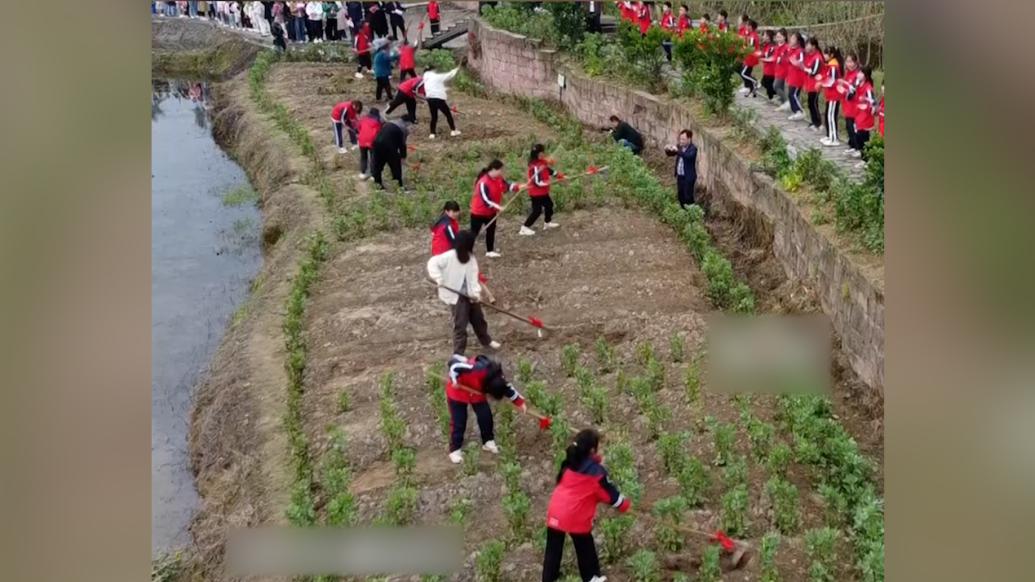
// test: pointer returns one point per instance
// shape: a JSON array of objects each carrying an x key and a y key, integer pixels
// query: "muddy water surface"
[{"x": 204, "y": 254}]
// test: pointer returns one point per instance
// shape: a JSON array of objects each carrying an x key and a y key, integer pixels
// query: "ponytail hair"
[
  {"x": 536, "y": 150},
  {"x": 493, "y": 165},
  {"x": 579, "y": 450},
  {"x": 464, "y": 245},
  {"x": 868, "y": 73}
]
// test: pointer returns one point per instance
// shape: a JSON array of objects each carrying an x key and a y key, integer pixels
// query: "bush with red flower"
[{"x": 708, "y": 61}]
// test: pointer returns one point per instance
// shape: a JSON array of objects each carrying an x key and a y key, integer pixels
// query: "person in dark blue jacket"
[
  {"x": 384, "y": 59},
  {"x": 686, "y": 167}
]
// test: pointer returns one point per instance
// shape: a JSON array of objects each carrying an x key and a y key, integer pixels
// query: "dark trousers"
[
  {"x": 466, "y": 313},
  {"x": 437, "y": 105},
  {"x": 398, "y": 24},
  {"x": 458, "y": 422},
  {"x": 593, "y": 22},
  {"x": 315, "y": 29},
  {"x": 383, "y": 84},
  {"x": 363, "y": 62},
  {"x": 814, "y": 108},
  {"x": 685, "y": 190},
  {"x": 406, "y": 74},
  {"x": 380, "y": 159},
  {"x": 411, "y": 106},
  {"x": 434, "y": 26},
  {"x": 364, "y": 160},
  {"x": 332, "y": 28},
  {"x": 850, "y": 130},
  {"x": 585, "y": 553},
  {"x": 794, "y": 95},
  {"x": 339, "y": 130},
  {"x": 749, "y": 81},
  {"x": 667, "y": 45},
  {"x": 767, "y": 84},
  {"x": 540, "y": 205},
  {"x": 477, "y": 222},
  {"x": 861, "y": 137}
]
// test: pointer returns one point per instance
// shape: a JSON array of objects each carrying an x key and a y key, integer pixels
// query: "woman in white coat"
[{"x": 458, "y": 270}]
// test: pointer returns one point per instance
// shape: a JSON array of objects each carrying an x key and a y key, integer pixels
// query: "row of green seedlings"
[
  {"x": 401, "y": 503},
  {"x": 301, "y": 510},
  {"x": 858, "y": 205},
  {"x": 847, "y": 485}
]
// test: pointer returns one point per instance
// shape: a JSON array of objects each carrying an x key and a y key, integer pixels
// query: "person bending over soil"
[
  {"x": 480, "y": 375},
  {"x": 625, "y": 135},
  {"x": 458, "y": 270}
]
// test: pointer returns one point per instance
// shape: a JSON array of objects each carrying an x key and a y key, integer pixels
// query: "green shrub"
[
  {"x": 770, "y": 544},
  {"x": 490, "y": 559},
  {"x": 784, "y": 497},
  {"x": 724, "y": 435},
  {"x": 735, "y": 510},
  {"x": 439, "y": 59},
  {"x": 645, "y": 55},
  {"x": 710, "y": 570},
  {"x": 614, "y": 531},
  {"x": 693, "y": 481},
  {"x": 707, "y": 62},
  {"x": 606, "y": 359},
  {"x": 570, "y": 359},
  {"x": 677, "y": 347},
  {"x": 644, "y": 566},
  {"x": 820, "y": 547},
  {"x": 401, "y": 505}
]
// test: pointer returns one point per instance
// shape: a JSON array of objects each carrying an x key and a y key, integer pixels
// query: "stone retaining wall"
[{"x": 512, "y": 63}]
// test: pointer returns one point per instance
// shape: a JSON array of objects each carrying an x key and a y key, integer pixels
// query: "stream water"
[{"x": 204, "y": 252}]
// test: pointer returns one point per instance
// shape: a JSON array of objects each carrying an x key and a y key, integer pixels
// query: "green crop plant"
[
  {"x": 761, "y": 435},
  {"x": 569, "y": 359},
  {"x": 524, "y": 371},
  {"x": 489, "y": 561},
  {"x": 614, "y": 531},
  {"x": 710, "y": 570},
  {"x": 779, "y": 459},
  {"x": 344, "y": 402},
  {"x": 596, "y": 402},
  {"x": 644, "y": 566},
  {"x": 606, "y": 359},
  {"x": 517, "y": 507},
  {"x": 784, "y": 496},
  {"x": 669, "y": 512},
  {"x": 459, "y": 511},
  {"x": 471, "y": 455},
  {"x": 724, "y": 435},
  {"x": 820, "y": 546},
  {"x": 657, "y": 416},
  {"x": 735, "y": 510},
  {"x": 511, "y": 475},
  {"x": 680, "y": 577},
  {"x": 656, "y": 374},
  {"x": 673, "y": 449},
  {"x": 693, "y": 481},
  {"x": 583, "y": 379},
  {"x": 167, "y": 567},
  {"x": 644, "y": 353},
  {"x": 677, "y": 347},
  {"x": 735, "y": 472},
  {"x": 835, "y": 504},
  {"x": 336, "y": 479},
  {"x": 622, "y": 382},
  {"x": 767, "y": 569},
  {"x": 300, "y": 511},
  {"x": 692, "y": 383},
  {"x": 405, "y": 461},
  {"x": 400, "y": 505}
]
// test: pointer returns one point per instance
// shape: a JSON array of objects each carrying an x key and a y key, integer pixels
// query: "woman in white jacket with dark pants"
[
  {"x": 458, "y": 270},
  {"x": 435, "y": 95}
]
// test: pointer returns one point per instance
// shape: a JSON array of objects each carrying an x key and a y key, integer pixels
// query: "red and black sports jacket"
[
  {"x": 344, "y": 112},
  {"x": 539, "y": 174},
  {"x": 573, "y": 505},
  {"x": 443, "y": 235},
  {"x": 472, "y": 373},
  {"x": 488, "y": 189}
]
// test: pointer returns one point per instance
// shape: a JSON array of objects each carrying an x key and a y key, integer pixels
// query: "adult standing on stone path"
[
  {"x": 458, "y": 269},
  {"x": 485, "y": 203},
  {"x": 686, "y": 167}
]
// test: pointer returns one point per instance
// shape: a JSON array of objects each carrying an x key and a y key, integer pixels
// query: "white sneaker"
[
  {"x": 431, "y": 136},
  {"x": 860, "y": 165},
  {"x": 743, "y": 90},
  {"x": 825, "y": 141},
  {"x": 495, "y": 344},
  {"x": 598, "y": 579},
  {"x": 358, "y": 75},
  {"x": 849, "y": 151},
  {"x": 796, "y": 116},
  {"x": 457, "y": 457},
  {"x": 493, "y": 255},
  {"x": 832, "y": 143},
  {"x": 551, "y": 225},
  {"x": 785, "y": 106},
  {"x": 454, "y": 133},
  {"x": 856, "y": 154},
  {"x": 362, "y": 176},
  {"x": 343, "y": 150},
  {"x": 491, "y": 447},
  {"x": 525, "y": 231}
]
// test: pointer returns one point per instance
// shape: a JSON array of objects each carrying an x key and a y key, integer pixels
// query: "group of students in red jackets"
[{"x": 582, "y": 481}]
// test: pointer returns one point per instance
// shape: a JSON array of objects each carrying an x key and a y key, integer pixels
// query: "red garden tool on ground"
[{"x": 530, "y": 320}]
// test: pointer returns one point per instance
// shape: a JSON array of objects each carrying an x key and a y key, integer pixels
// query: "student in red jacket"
[
  {"x": 433, "y": 16},
  {"x": 362, "y": 47},
  {"x": 768, "y": 58},
  {"x": 643, "y": 17},
  {"x": 539, "y": 174},
  {"x": 581, "y": 484},
  {"x": 848, "y": 88},
  {"x": 367, "y": 130},
  {"x": 864, "y": 113},
  {"x": 484, "y": 375},
  {"x": 668, "y": 24},
  {"x": 407, "y": 60},
  {"x": 703, "y": 25},
  {"x": 828, "y": 79},
  {"x": 813, "y": 64},
  {"x": 795, "y": 75},
  {"x": 742, "y": 26},
  {"x": 880, "y": 113},
  {"x": 443, "y": 232},
  {"x": 780, "y": 70},
  {"x": 683, "y": 24},
  {"x": 485, "y": 203},
  {"x": 723, "y": 25},
  {"x": 343, "y": 116},
  {"x": 407, "y": 93},
  {"x": 627, "y": 11},
  {"x": 751, "y": 39}
]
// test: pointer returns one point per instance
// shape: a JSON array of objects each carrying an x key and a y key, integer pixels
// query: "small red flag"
[
  {"x": 724, "y": 540},
  {"x": 592, "y": 170},
  {"x": 544, "y": 423},
  {"x": 536, "y": 322},
  {"x": 482, "y": 278},
  {"x": 453, "y": 109}
]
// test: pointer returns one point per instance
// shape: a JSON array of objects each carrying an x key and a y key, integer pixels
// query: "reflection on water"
[{"x": 204, "y": 254}]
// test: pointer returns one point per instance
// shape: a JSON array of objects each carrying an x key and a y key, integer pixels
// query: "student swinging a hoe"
[{"x": 468, "y": 381}]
